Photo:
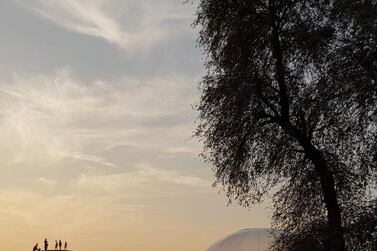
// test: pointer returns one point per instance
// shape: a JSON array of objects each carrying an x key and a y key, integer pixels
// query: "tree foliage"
[{"x": 289, "y": 101}]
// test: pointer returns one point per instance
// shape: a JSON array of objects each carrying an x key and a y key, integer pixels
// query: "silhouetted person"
[
  {"x": 60, "y": 245},
  {"x": 46, "y": 244},
  {"x": 65, "y": 245},
  {"x": 56, "y": 245},
  {"x": 35, "y": 248}
]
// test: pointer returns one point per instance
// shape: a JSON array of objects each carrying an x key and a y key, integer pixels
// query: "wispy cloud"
[
  {"x": 49, "y": 117},
  {"x": 173, "y": 177},
  {"x": 92, "y": 17},
  {"x": 93, "y": 158},
  {"x": 150, "y": 181},
  {"x": 46, "y": 181}
]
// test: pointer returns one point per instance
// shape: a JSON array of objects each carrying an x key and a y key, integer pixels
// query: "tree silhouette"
[{"x": 289, "y": 100}]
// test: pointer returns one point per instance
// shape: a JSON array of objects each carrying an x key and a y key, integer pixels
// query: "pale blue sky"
[{"x": 96, "y": 121}]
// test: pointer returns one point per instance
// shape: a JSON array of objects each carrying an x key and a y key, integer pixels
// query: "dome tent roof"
[{"x": 243, "y": 240}]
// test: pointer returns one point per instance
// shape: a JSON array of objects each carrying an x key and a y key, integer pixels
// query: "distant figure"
[
  {"x": 46, "y": 244},
  {"x": 65, "y": 245},
  {"x": 60, "y": 245},
  {"x": 35, "y": 248},
  {"x": 56, "y": 245}
]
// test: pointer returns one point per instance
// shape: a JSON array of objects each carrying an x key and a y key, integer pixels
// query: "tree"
[{"x": 289, "y": 100}]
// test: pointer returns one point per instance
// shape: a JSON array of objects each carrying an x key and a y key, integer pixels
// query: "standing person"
[
  {"x": 65, "y": 245},
  {"x": 46, "y": 244},
  {"x": 56, "y": 245},
  {"x": 60, "y": 245},
  {"x": 35, "y": 248}
]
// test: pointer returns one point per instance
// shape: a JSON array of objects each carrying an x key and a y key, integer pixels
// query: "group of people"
[{"x": 58, "y": 244}]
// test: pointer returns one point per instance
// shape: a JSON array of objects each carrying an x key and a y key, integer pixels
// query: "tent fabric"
[{"x": 243, "y": 240}]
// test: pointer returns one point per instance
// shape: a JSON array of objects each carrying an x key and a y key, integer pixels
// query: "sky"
[{"x": 96, "y": 125}]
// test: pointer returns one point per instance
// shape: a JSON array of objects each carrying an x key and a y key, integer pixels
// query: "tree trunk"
[{"x": 335, "y": 240}]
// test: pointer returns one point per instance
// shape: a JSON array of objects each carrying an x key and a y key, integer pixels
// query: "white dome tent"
[{"x": 243, "y": 240}]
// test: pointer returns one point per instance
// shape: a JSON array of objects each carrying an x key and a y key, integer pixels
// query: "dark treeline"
[{"x": 289, "y": 102}]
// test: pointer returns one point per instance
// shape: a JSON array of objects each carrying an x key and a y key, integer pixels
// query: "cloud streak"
[
  {"x": 144, "y": 181},
  {"x": 49, "y": 117},
  {"x": 91, "y": 17}
]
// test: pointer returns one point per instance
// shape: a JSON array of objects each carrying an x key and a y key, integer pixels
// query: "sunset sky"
[{"x": 96, "y": 125}]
